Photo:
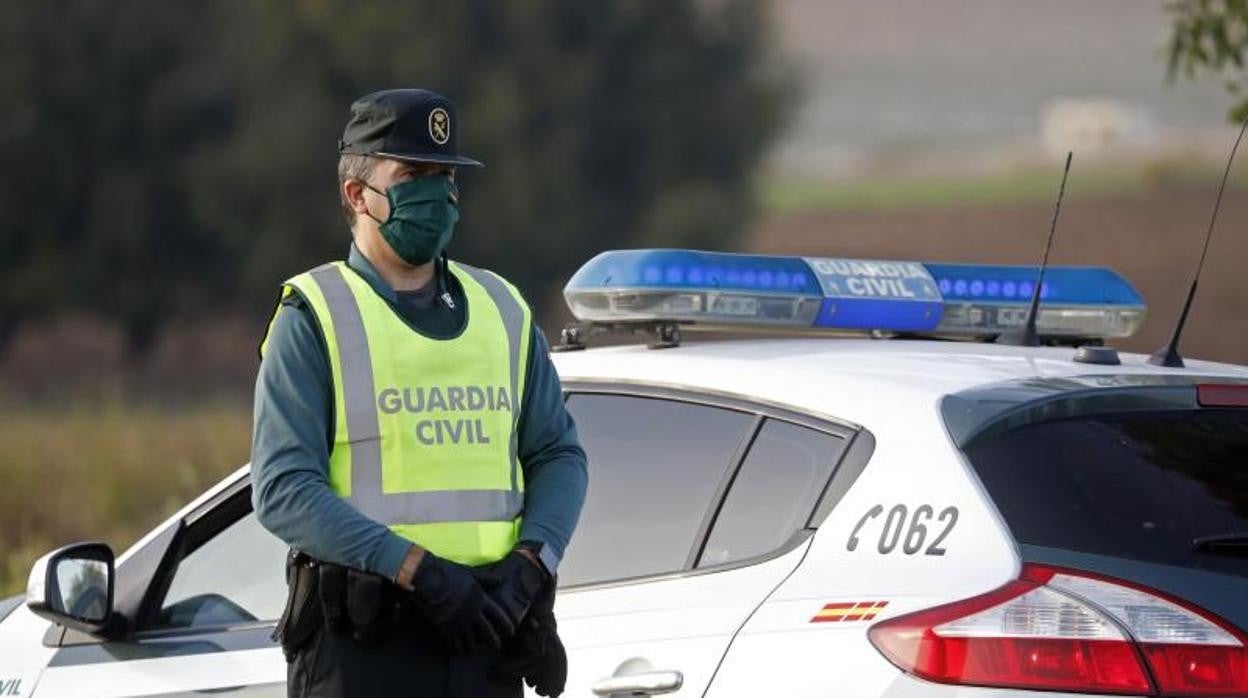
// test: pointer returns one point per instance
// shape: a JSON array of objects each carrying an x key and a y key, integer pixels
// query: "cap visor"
[{"x": 438, "y": 159}]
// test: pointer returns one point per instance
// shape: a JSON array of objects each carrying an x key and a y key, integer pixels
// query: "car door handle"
[{"x": 650, "y": 683}]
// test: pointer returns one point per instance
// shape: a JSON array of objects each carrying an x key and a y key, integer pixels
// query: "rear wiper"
[{"x": 1224, "y": 543}]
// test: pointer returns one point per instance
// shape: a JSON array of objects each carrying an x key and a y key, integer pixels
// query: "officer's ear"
[{"x": 353, "y": 193}]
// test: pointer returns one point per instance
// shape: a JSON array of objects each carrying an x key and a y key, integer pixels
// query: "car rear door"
[
  {"x": 698, "y": 508},
  {"x": 204, "y": 622}
]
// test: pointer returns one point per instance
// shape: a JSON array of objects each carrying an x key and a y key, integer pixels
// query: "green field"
[
  {"x": 783, "y": 195},
  {"x": 107, "y": 473}
]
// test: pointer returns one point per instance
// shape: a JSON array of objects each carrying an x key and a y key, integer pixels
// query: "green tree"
[
  {"x": 179, "y": 158},
  {"x": 1211, "y": 37},
  {"x": 99, "y": 118}
]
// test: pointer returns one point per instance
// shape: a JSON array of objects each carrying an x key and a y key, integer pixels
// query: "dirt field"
[{"x": 1153, "y": 239}]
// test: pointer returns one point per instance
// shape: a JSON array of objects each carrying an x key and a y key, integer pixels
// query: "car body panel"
[
  {"x": 681, "y": 623},
  {"x": 22, "y": 655},
  {"x": 8, "y": 605},
  {"x": 910, "y": 470},
  {"x": 14, "y": 636},
  {"x": 186, "y": 669}
]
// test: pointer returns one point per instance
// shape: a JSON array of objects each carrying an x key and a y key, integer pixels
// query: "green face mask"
[{"x": 423, "y": 214}]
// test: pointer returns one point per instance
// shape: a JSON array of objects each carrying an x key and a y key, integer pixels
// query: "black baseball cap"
[{"x": 405, "y": 124}]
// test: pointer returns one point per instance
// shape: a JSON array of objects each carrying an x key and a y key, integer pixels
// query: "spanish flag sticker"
[{"x": 848, "y": 611}]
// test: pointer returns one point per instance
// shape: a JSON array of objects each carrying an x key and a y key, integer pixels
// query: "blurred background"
[{"x": 167, "y": 165}]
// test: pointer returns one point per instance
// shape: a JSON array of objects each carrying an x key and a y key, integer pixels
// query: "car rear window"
[{"x": 1140, "y": 485}]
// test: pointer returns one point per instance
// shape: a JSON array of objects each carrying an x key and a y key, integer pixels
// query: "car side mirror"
[{"x": 73, "y": 586}]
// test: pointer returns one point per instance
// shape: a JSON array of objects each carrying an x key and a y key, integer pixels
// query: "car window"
[
  {"x": 774, "y": 493},
  {"x": 237, "y": 576},
  {"x": 655, "y": 466},
  {"x": 1136, "y": 485}
]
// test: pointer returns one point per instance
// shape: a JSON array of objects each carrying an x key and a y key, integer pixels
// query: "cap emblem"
[{"x": 439, "y": 126}]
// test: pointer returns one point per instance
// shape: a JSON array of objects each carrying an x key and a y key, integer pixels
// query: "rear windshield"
[{"x": 1141, "y": 485}]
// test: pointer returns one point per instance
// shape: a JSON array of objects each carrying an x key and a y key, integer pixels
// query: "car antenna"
[
  {"x": 1026, "y": 336},
  {"x": 1168, "y": 355}
]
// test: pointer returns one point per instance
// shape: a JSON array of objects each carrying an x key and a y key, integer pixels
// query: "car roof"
[{"x": 849, "y": 379}]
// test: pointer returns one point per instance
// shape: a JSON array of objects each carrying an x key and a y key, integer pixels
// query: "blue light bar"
[
  {"x": 715, "y": 288},
  {"x": 1062, "y": 285}
]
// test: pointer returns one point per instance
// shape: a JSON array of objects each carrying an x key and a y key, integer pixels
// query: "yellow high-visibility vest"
[{"x": 425, "y": 430}]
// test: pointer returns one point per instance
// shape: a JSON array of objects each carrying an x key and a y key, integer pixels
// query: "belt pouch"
[
  {"x": 364, "y": 606},
  {"x": 333, "y": 592}
]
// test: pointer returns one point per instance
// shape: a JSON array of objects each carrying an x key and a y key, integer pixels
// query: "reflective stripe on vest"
[{"x": 450, "y": 519}]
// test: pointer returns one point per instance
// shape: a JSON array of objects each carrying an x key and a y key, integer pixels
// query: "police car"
[{"x": 887, "y": 513}]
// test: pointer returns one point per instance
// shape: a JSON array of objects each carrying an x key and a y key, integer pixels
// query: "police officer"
[{"x": 411, "y": 443}]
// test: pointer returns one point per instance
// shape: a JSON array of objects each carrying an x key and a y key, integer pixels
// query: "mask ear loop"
[
  {"x": 441, "y": 271},
  {"x": 378, "y": 192}
]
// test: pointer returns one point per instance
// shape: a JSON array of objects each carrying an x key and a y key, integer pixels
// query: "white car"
[{"x": 792, "y": 516}]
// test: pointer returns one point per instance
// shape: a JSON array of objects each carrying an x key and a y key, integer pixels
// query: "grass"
[
  {"x": 105, "y": 472},
  {"x": 783, "y": 195}
]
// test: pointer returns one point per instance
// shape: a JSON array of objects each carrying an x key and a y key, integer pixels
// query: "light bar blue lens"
[
  {"x": 739, "y": 289},
  {"x": 1011, "y": 284},
  {"x": 684, "y": 269}
]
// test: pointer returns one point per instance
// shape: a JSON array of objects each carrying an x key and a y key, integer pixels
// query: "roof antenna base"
[
  {"x": 1097, "y": 356},
  {"x": 1025, "y": 336},
  {"x": 1167, "y": 357}
]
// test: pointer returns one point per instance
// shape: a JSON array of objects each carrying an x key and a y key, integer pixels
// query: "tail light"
[{"x": 1066, "y": 630}]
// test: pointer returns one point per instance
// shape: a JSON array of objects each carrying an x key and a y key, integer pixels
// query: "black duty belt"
[{"x": 343, "y": 600}]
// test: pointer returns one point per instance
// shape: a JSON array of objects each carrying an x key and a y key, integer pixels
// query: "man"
[{"x": 411, "y": 443}]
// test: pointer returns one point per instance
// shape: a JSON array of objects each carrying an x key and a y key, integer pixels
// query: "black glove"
[
  {"x": 550, "y": 674},
  {"x": 535, "y": 651},
  {"x": 452, "y": 598},
  {"x": 516, "y": 582}
]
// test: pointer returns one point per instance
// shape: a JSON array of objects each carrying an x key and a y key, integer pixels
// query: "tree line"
[{"x": 175, "y": 159}]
